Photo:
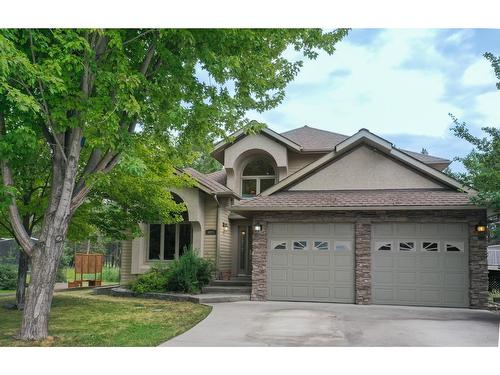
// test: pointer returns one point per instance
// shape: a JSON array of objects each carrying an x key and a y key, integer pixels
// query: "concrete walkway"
[{"x": 324, "y": 324}]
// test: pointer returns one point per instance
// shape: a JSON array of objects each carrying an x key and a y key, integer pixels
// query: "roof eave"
[{"x": 352, "y": 208}]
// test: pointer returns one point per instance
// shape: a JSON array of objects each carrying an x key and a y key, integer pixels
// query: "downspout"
[{"x": 216, "y": 235}]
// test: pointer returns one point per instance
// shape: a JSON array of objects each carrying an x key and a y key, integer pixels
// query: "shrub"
[
  {"x": 153, "y": 281},
  {"x": 186, "y": 274},
  {"x": 8, "y": 276},
  {"x": 189, "y": 273}
]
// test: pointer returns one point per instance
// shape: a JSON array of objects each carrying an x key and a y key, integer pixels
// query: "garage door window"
[
  {"x": 430, "y": 246},
  {"x": 343, "y": 246},
  {"x": 383, "y": 246},
  {"x": 453, "y": 247},
  {"x": 278, "y": 245},
  {"x": 407, "y": 246},
  {"x": 300, "y": 245},
  {"x": 321, "y": 245}
]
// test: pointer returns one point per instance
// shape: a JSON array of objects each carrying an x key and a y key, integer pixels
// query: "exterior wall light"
[
  {"x": 225, "y": 226},
  {"x": 257, "y": 227},
  {"x": 481, "y": 228}
]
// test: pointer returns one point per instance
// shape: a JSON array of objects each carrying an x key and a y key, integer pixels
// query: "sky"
[{"x": 400, "y": 84}]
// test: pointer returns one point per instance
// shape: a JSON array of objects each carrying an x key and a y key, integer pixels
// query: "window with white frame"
[
  {"x": 258, "y": 175},
  {"x": 454, "y": 247},
  {"x": 299, "y": 245},
  {"x": 430, "y": 246},
  {"x": 168, "y": 241},
  {"x": 321, "y": 245},
  {"x": 406, "y": 246},
  {"x": 278, "y": 245}
]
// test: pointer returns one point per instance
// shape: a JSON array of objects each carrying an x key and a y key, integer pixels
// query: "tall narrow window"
[
  {"x": 185, "y": 237},
  {"x": 258, "y": 175},
  {"x": 154, "y": 241},
  {"x": 169, "y": 242}
]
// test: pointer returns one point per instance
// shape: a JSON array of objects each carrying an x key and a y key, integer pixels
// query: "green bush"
[
  {"x": 153, "y": 281},
  {"x": 189, "y": 273},
  {"x": 8, "y": 276},
  {"x": 186, "y": 274}
]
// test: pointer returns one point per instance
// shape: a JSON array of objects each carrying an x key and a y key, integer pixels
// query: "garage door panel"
[
  {"x": 454, "y": 279},
  {"x": 315, "y": 272},
  {"x": 431, "y": 278},
  {"x": 383, "y": 277},
  {"x": 300, "y": 259},
  {"x": 343, "y": 276},
  {"x": 343, "y": 293},
  {"x": 300, "y": 275},
  {"x": 429, "y": 275},
  {"x": 321, "y": 260},
  {"x": 321, "y": 276},
  {"x": 430, "y": 262},
  {"x": 383, "y": 295},
  {"x": 430, "y": 296},
  {"x": 406, "y": 261},
  {"x": 456, "y": 297},
  {"x": 277, "y": 260},
  {"x": 406, "y": 277},
  {"x": 408, "y": 295},
  {"x": 385, "y": 261},
  {"x": 278, "y": 274},
  {"x": 279, "y": 291},
  {"x": 300, "y": 291},
  {"x": 321, "y": 292}
]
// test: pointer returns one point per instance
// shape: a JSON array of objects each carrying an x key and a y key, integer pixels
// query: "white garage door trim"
[
  {"x": 311, "y": 262},
  {"x": 420, "y": 264}
]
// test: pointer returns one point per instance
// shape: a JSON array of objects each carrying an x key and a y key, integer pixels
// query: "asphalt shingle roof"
[
  {"x": 357, "y": 198},
  {"x": 323, "y": 140},
  {"x": 212, "y": 184}
]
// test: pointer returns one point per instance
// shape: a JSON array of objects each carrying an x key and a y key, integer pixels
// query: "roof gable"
[
  {"x": 365, "y": 168},
  {"x": 366, "y": 137}
]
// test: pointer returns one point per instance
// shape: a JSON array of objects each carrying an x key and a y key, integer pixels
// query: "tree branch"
[{"x": 15, "y": 219}]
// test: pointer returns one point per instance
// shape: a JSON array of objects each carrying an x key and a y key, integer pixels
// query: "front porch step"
[
  {"x": 231, "y": 282},
  {"x": 226, "y": 289}
]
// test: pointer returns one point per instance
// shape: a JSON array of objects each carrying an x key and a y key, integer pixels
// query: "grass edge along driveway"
[{"x": 79, "y": 318}]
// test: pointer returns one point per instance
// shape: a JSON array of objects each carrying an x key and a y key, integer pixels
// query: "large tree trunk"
[
  {"x": 22, "y": 273},
  {"x": 44, "y": 265}
]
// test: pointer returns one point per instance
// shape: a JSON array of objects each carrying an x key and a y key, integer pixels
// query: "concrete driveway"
[{"x": 324, "y": 324}]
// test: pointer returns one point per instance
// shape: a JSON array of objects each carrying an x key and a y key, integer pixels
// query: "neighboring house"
[{"x": 313, "y": 215}]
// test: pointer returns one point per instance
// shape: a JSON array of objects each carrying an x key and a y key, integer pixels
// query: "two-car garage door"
[{"x": 412, "y": 263}]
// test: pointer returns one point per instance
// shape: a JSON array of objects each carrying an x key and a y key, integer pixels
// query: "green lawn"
[
  {"x": 79, "y": 318},
  {"x": 110, "y": 275},
  {"x": 7, "y": 291}
]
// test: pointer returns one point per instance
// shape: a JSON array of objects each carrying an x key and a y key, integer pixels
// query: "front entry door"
[{"x": 244, "y": 250}]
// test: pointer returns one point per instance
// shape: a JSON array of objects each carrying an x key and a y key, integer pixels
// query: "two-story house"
[{"x": 311, "y": 215}]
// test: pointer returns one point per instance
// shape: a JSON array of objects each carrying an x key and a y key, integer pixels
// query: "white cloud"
[
  {"x": 488, "y": 105},
  {"x": 385, "y": 90},
  {"x": 479, "y": 73}
]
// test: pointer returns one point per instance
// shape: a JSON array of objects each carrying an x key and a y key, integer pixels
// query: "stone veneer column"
[
  {"x": 478, "y": 269},
  {"x": 259, "y": 263},
  {"x": 363, "y": 264}
]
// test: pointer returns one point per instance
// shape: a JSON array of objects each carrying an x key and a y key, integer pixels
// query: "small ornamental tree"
[{"x": 94, "y": 99}]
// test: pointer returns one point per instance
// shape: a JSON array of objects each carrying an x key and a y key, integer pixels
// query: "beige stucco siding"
[
  {"x": 298, "y": 161},
  {"x": 210, "y": 224},
  {"x": 225, "y": 236},
  {"x": 126, "y": 262},
  {"x": 364, "y": 168},
  {"x": 237, "y": 155}
]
